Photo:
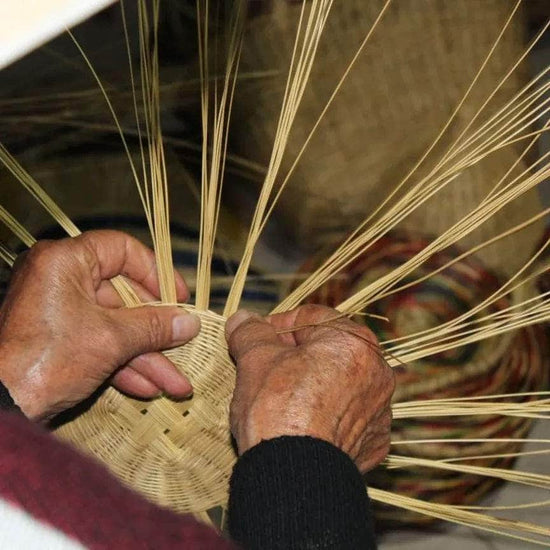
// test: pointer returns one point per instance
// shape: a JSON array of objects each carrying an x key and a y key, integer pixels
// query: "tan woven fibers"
[
  {"x": 413, "y": 72},
  {"x": 524, "y": 366},
  {"x": 176, "y": 454},
  {"x": 514, "y": 362},
  {"x": 100, "y": 184},
  {"x": 420, "y": 61}
]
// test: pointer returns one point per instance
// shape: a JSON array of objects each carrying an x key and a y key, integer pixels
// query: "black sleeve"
[
  {"x": 6, "y": 401},
  {"x": 293, "y": 493}
]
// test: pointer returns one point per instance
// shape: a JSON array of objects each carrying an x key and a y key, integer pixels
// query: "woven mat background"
[
  {"x": 405, "y": 85},
  {"x": 420, "y": 61}
]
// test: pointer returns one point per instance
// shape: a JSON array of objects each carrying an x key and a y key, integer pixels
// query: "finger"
[
  {"x": 160, "y": 371},
  {"x": 114, "y": 253},
  {"x": 245, "y": 331},
  {"x": 283, "y": 324},
  {"x": 296, "y": 322},
  {"x": 131, "y": 382},
  {"x": 149, "y": 328},
  {"x": 182, "y": 291},
  {"x": 365, "y": 431},
  {"x": 368, "y": 460},
  {"x": 107, "y": 296}
]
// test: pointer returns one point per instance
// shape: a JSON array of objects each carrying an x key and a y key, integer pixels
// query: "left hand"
[
  {"x": 327, "y": 380},
  {"x": 63, "y": 333}
]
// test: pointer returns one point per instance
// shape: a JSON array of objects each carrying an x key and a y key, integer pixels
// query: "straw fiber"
[
  {"x": 419, "y": 63},
  {"x": 524, "y": 367},
  {"x": 413, "y": 72},
  {"x": 178, "y": 454},
  {"x": 512, "y": 363},
  {"x": 72, "y": 180}
]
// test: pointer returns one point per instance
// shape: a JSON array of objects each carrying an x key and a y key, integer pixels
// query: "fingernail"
[
  {"x": 179, "y": 396},
  {"x": 185, "y": 327},
  {"x": 237, "y": 319}
]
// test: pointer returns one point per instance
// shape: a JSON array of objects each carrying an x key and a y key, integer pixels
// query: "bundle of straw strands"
[{"x": 477, "y": 367}]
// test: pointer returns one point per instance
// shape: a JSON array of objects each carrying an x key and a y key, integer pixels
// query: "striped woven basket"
[{"x": 513, "y": 363}]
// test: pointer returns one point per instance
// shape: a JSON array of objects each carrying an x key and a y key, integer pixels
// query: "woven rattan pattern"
[{"x": 178, "y": 454}]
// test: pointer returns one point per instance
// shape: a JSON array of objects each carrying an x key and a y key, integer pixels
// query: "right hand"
[
  {"x": 63, "y": 332},
  {"x": 319, "y": 381}
]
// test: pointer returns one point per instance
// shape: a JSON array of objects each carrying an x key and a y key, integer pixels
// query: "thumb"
[
  {"x": 152, "y": 328},
  {"x": 245, "y": 331}
]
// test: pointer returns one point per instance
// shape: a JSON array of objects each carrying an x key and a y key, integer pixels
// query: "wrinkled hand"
[
  {"x": 319, "y": 381},
  {"x": 63, "y": 333}
]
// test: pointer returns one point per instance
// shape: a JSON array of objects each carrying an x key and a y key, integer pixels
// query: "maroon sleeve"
[{"x": 55, "y": 484}]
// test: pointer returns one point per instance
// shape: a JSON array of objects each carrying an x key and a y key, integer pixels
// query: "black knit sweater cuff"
[
  {"x": 6, "y": 401},
  {"x": 296, "y": 493}
]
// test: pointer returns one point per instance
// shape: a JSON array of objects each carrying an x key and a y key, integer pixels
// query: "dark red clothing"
[
  {"x": 287, "y": 493},
  {"x": 79, "y": 497}
]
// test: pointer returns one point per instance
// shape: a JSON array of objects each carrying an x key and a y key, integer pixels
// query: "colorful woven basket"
[{"x": 504, "y": 364}]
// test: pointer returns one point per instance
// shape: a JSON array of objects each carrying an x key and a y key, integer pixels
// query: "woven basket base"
[{"x": 177, "y": 454}]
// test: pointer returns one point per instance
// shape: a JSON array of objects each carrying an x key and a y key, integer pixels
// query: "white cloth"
[{"x": 20, "y": 531}]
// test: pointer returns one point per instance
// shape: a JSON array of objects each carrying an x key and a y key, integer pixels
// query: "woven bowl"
[{"x": 177, "y": 454}]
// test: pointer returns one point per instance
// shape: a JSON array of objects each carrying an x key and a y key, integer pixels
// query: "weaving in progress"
[{"x": 334, "y": 152}]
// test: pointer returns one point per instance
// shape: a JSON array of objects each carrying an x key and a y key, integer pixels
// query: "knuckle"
[
  {"x": 366, "y": 333},
  {"x": 360, "y": 355},
  {"x": 95, "y": 235},
  {"x": 383, "y": 450},
  {"x": 44, "y": 259},
  {"x": 363, "y": 350},
  {"x": 233, "y": 345},
  {"x": 88, "y": 253},
  {"x": 241, "y": 333},
  {"x": 311, "y": 309},
  {"x": 243, "y": 341},
  {"x": 314, "y": 313},
  {"x": 235, "y": 339},
  {"x": 362, "y": 342},
  {"x": 386, "y": 421},
  {"x": 388, "y": 379},
  {"x": 40, "y": 253},
  {"x": 157, "y": 329}
]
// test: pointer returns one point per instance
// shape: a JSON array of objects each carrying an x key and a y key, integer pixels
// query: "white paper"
[{"x": 27, "y": 24}]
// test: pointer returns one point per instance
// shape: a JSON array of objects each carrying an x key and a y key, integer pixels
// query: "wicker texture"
[
  {"x": 178, "y": 454},
  {"x": 419, "y": 62},
  {"x": 421, "y": 59}
]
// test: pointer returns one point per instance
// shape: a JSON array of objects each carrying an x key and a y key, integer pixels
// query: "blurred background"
[{"x": 404, "y": 87}]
